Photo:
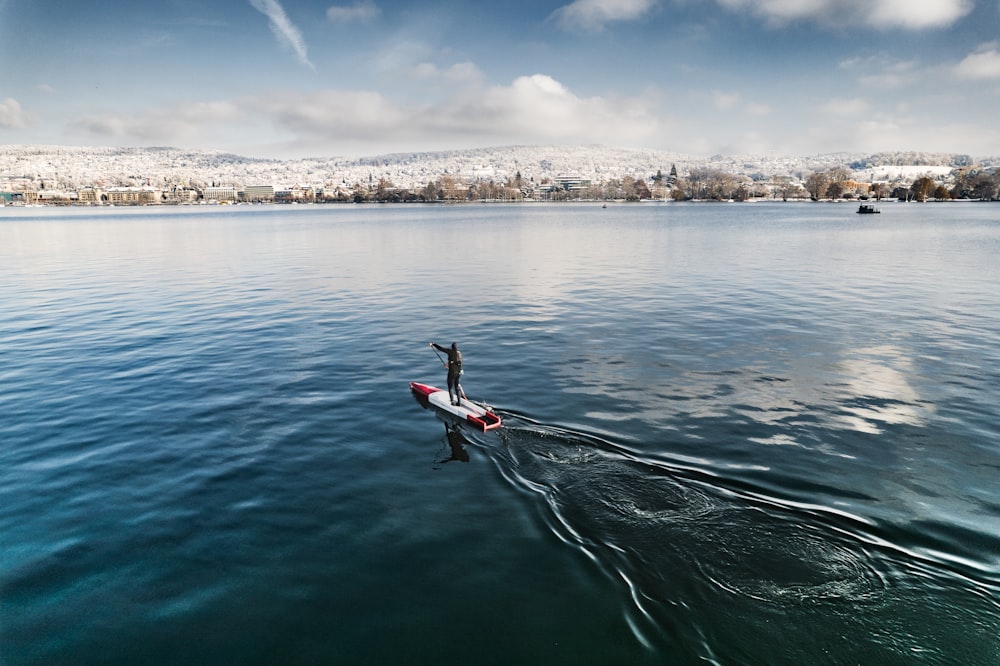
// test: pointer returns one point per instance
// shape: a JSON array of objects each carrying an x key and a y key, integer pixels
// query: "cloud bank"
[
  {"x": 176, "y": 124},
  {"x": 595, "y": 14},
  {"x": 983, "y": 64},
  {"x": 906, "y": 14},
  {"x": 531, "y": 108},
  {"x": 11, "y": 115},
  {"x": 534, "y": 108},
  {"x": 283, "y": 28}
]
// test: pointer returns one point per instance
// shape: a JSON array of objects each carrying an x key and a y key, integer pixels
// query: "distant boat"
[{"x": 865, "y": 209}]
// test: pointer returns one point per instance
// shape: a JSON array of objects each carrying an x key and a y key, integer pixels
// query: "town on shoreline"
[{"x": 531, "y": 177}]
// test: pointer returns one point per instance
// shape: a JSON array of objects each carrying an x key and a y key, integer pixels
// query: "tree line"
[
  {"x": 968, "y": 183},
  {"x": 702, "y": 184}
]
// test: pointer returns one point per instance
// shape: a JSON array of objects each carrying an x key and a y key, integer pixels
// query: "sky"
[{"x": 352, "y": 78}]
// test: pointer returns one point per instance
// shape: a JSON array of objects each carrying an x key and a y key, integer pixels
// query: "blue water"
[{"x": 734, "y": 434}]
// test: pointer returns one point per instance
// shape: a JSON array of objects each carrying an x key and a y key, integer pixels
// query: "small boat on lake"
[{"x": 865, "y": 209}]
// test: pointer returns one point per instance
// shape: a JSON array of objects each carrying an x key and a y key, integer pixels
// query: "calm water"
[{"x": 735, "y": 434}]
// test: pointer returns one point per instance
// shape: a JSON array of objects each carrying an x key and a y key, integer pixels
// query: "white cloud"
[
  {"x": 724, "y": 101},
  {"x": 983, "y": 64},
  {"x": 882, "y": 71},
  {"x": 364, "y": 11},
  {"x": 531, "y": 109},
  {"x": 459, "y": 72},
  {"x": 402, "y": 55},
  {"x": 595, "y": 14},
  {"x": 906, "y": 14},
  {"x": 542, "y": 109},
  {"x": 870, "y": 134},
  {"x": 331, "y": 113},
  {"x": 413, "y": 61},
  {"x": 175, "y": 125},
  {"x": 845, "y": 107},
  {"x": 734, "y": 101},
  {"x": 12, "y": 116},
  {"x": 918, "y": 14},
  {"x": 283, "y": 28}
]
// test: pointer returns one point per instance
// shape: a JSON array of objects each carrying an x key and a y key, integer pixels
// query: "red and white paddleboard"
[{"x": 475, "y": 415}]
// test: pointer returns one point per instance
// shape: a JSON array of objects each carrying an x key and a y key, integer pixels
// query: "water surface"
[{"x": 761, "y": 433}]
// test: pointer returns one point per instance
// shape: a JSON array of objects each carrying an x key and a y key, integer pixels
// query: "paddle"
[{"x": 436, "y": 353}]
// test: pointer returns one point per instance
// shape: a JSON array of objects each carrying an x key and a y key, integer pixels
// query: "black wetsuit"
[{"x": 454, "y": 371}]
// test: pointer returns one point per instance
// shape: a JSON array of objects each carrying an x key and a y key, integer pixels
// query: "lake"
[{"x": 733, "y": 434}]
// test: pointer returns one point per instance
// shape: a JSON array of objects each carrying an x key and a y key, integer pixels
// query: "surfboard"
[{"x": 468, "y": 411}]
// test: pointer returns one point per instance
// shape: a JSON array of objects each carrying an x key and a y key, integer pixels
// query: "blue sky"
[{"x": 299, "y": 78}]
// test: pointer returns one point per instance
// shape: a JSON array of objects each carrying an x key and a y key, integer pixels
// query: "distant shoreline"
[{"x": 523, "y": 202}]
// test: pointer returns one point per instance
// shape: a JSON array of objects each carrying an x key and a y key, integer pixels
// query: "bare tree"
[
  {"x": 922, "y": 188},
  {"x": 817, "y": 184}
]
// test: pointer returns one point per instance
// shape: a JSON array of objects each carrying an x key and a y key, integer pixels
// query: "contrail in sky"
[{"x": 283, "y": 28}]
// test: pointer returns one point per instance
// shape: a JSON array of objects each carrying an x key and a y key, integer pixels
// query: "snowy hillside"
[{"x": 70, "y": 167}]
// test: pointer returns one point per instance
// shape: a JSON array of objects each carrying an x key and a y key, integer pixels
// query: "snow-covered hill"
[{"x": 71, "y": 167}]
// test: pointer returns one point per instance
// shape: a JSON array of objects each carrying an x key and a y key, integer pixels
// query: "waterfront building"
[
  {"x": 90, "y": 195},
  {"x": 223, "y": 193},
  {"x": 295, "y": 194},
  {"x": 256, "y": 193},
  {"x": 180, "y": 195},
  {"x": 133, "y": 196},
  {"x": 572, "y": 183}
]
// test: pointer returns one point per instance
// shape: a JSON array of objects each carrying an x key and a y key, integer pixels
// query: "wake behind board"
[{"x": 468, "y": 411}]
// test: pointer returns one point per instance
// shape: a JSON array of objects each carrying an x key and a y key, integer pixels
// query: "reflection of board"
[{"x": 467, "y": 411}]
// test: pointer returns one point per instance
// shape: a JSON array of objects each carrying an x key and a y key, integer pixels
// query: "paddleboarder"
[{"x": 454, "y": 371}]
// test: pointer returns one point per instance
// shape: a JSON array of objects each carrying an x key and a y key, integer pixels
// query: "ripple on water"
[
  {"x": 748, "y": 552},
  {"x": 698, "y": 556},
  {"x": 644, "y": 502}
]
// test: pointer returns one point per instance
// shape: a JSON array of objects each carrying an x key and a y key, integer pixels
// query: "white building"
[{"x": 220, "y": 194}]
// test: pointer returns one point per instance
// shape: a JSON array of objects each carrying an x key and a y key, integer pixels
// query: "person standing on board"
[{"x": 454, "y": 371}]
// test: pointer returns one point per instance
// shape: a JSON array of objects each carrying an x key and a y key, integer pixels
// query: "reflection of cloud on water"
[
  {"x": 863, "y": 390},
  {"x": 877, "y": 391},
  {"x": 777, "y": 440},
  {"x": 863, "y": 393}
]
